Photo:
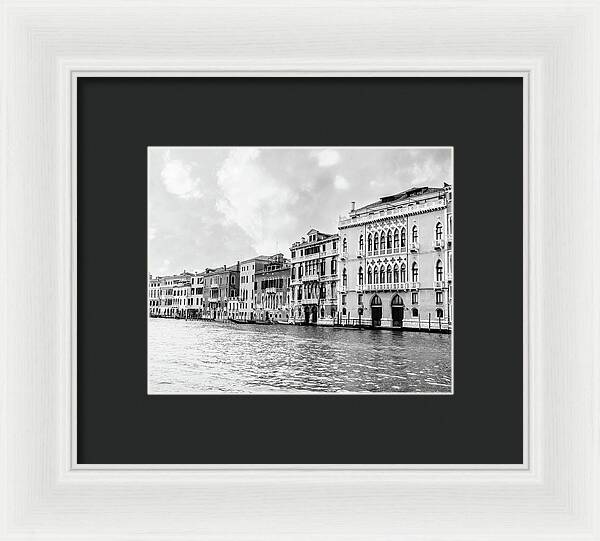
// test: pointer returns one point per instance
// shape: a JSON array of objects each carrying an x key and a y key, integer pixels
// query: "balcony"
[
  {"x": 403, "y": 286},
  {"x": 344, "y": 255},
  {"x": 413, "y": 246},
  {"x": 296, "y": 281},
  {"x": 359, "y": 288},
  {"x": 414, "y": 285},
  {"x": 439, "y": 284},
  {"x": 343, "y": 289},
  {"x": 360, "y": 253},
  {"x": 438, "y": 244},
  {"x": 309, "y": 301}
]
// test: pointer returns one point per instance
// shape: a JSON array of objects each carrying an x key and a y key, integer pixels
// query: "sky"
[{"x": 213, "y": 206}]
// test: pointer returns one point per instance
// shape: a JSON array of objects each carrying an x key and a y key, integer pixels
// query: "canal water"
[{"x": 197, "y": 357}]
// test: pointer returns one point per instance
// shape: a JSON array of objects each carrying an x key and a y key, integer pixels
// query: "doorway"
[
  {"x": 376, "y": 311},
  {"x": 397, "y": 311}
]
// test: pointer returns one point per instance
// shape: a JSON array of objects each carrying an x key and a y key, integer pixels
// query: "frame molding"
[{"x": 46, "y": 496}]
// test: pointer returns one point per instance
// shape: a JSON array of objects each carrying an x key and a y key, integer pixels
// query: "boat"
[{"x": 238, "y": 321}]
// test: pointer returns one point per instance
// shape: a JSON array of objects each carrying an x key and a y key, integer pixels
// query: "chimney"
[{"x": 353, "y": 207}]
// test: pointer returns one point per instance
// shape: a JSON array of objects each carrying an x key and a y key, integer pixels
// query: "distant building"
[
  {"x": 314, "y": 278},
  {"x": 167, "y": 295},
  {"x": 220, "y": 286},
  {"x": 396, "y": 260},
  {"x": 272, "y": 290},
  {"x": 248, "y": 285}
]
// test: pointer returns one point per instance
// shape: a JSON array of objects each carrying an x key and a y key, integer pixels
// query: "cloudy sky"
[{"x": 214, "y": 206}]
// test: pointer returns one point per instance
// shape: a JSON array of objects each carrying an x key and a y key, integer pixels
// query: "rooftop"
[{"x": 402, "y": 196}]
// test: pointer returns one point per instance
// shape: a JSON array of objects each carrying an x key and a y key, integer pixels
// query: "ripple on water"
[{"x": 205, "y": 357}]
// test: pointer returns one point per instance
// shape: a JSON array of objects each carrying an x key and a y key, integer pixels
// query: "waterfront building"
[
  {"x": 396, "y": 259},
  {"x": 220, "y": 285},
  {"x": 272, "y": 290},
  {"x": 196, "y": 295},
  {"x": 248, "y": 286},
  {"x": 167, "y": 295},
  {"x": 314, "y": 278}
]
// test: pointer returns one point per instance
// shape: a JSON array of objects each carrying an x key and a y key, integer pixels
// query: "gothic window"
[
  {"x": 361, "y": 243},
  {"x": 376, "y": 242},
  {"x": 370, "y": 242},
  {"x": 344, "y": 278},
  {"x": 360, "y": 276},
  {"x": 403, "y": 238},
  {"x": 389, "y": 274},
  {"x": 438, "y": 231},
  {"x": 415, "y": 234},
  {"x": 396, "y": 273},
  {"x": 389, "y": 240},
  {"x": 369, "y": 276},
  {"x": 382, "y": 275},
  {"x": 382, "y": 241},
  {"x": 415, "y": 272},
  {"x": 396, "y": 239},
  {"x": 344, "y": 245},
  {"x": 439, "y": 270},
  {"x": 375, "y": 276}
]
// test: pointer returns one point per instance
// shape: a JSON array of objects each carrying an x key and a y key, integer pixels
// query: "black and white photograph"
[{"x": 297, "y": 270}]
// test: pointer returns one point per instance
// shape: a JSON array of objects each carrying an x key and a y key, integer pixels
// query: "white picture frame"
[{"x": 554, "y": 45}]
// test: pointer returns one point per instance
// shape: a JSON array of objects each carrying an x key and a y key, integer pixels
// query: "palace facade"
[
  {"x": 313, "y": 278},
  {"x": 396, "y": 261},
  {"x": 221, "y": 292},
  {"x": 272, "y": 290}
]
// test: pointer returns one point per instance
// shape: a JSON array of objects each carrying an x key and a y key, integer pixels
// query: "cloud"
[
  {"x": 326, "y": 157},
  {"x": 427, "y": 172},
  {"x": 341, "y": 183},
  {"x": 178, "y": 180},
  {"x": 151, "y": 233},
  {"x": 255, "y": 200}
]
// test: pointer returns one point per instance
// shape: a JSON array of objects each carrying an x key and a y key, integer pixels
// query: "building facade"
[
  {"x": 248, "y": 285},
  {"x": 168, "y": 295},
  {"x": 314, "y": 278},
  {"x": 396, "y": 261},
  {"x": 272, "y": 291},
  {"x": 221, "y": 287}
]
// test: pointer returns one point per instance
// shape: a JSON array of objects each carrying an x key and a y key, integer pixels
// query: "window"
[
  {"x": 334, "y": 245},
  {"x": 382, "y": 275},
  {"x": 360, "y": 276},
  {"x": 389, "y": 274},
  {"x": 382, "y": 241},
  {"x": 439, "y": 313},
  {"x": 344, "y": 278},
  {"x": 415, "y": 312},
  {"x": 344, "y": 300},
  {"x": 438, "y": 231},
  {"x": 375, "y": 276},
  {"x": 344, "y": 245},
  {"x": 415, "y": 297},
  {"x": 333, "y": 266},
  {"x": 396, "y": 239},
  {"x": 361, "y": 243},
  {"x": 415, "y": 272},
  {"x": 403, "y": 238},
  {"x": 396, "y": 274},
  {"x": 389, "y": 240},
  {"x": 439, "y": 270},
  {"x": 439, "y": 297},
  {"x": 415, "y": 234},
  {"x": 370, "y": 242},
  {"x": 322, "y": 312},
  {"x": 403, "y": 272},
  {"x": 376, "y": 242},
  {"x": 293, "y": 273},
  {"x": 360, "y": 298},
  {"x": 369, "y": 276}
]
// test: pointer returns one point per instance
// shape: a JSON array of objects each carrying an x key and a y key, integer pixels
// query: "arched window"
[
  {"x": 360, "y": 276},
  {"x": 396, "y": 273},
  {"x": 415, "y": 234},
  {"x": 369, "y": 276},
  {"x": 293, "y": 273},
  {"x": 403, "y": 272},
  {"x": 344, "y": 311},
  {"x": 438, "y": 231},
  {"x": 396, "y": 240},
  {"x": 376, "y": 301},
  {"x": 361, "y": 243},
  {"x": 389, "y": 240},
  {"x": 333, "y": 269},
  {"x": 415, "y": 312},
  {"x": 322, "y": 312},
  {"x": 439, "y": 270},
  {"x": 299, "y": 293},
  {"x": 415, "y": 272},
  {"x": 370, "y": 242},
  {"x": 344, "y": 245},
  {"x": 375, "y": 276},
  {"x": 382, "y": 241},
  {"x": 403, "y": 238},
  {"x": 382, "y": 275},
  {"x": 376, "y": 242},
  {"x": 344, "y": 278},
  {"x": 389, "y": 274},
  {"x": 439, "y": 313}
]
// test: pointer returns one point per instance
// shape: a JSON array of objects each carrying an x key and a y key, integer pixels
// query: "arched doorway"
[
  {"x": 314, "y": 314},
  {"x": 307, "y": 315},
  {"x": 376, "y": 311},
  {"x": 397, "y": 311}
]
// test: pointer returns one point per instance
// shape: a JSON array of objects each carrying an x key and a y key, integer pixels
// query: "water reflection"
[{"x": 206, "y": 357}]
